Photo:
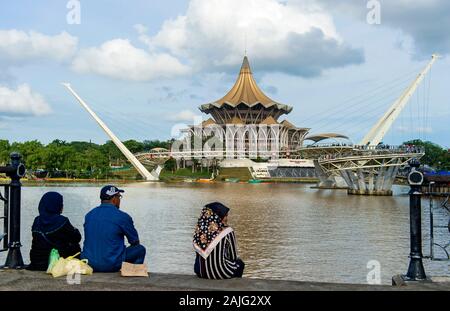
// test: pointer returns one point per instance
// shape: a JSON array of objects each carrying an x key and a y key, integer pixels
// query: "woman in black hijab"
[
  {"x": 52, "y": 230},
  {"x": 215, "y": 245}
]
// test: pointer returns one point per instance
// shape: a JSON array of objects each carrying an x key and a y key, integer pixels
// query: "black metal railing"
[
  {"x": 15, "y": 170},
  {"x": 443, "y": 205},
  {"x": 4, "y": 237}
]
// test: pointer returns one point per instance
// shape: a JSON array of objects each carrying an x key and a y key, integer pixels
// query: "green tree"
[
  {"x": 58, "y": 156},
  {"x": 113, "y": 153},
  {"x": 4, "y": 151},
  {"x": 435, "y": 156},
  {"x": 32, "y": 153},
  {"x": 134, "y": 146},
  {"x": 80, "y": 146},
  {"x": 78, "y": 158},
  {"x": 170, "y": 165}
]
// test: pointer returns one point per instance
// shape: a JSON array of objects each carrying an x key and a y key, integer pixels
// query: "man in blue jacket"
[{"x": 104, "y": 230}]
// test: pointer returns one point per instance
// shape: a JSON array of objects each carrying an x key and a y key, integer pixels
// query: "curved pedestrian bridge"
[
  {"x": 369, "y": 157},
  {"x": 367, "y": 170}
]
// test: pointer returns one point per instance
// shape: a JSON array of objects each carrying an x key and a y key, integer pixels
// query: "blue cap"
[{"x": 108, "y": 192}]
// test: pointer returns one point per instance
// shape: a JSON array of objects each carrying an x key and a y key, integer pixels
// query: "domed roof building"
[
  {"x": 247, "y": 121},
  {"x": 245, "y": 101}
]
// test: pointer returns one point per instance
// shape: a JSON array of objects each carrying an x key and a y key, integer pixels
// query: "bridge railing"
[
  {"x": 404, "y": 148},
  {"x": 224, "y": 153},
  {"x": 359, "y": 150},
  {"x": 216, "y": 154},
  {"x": 327, "y": 145}
]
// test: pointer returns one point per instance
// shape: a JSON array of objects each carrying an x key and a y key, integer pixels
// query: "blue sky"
[{"x": 146, "y": 66}]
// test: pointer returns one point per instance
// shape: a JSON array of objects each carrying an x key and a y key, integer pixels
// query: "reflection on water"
[{"x": 284, "y": 231}]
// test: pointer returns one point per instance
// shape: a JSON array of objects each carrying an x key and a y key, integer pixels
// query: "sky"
[{"x": 146, "y": 66}]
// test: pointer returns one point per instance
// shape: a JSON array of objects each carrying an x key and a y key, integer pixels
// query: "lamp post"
[
  {"x": 15, "y": 170},
  {"x": 416, "y": 271}
]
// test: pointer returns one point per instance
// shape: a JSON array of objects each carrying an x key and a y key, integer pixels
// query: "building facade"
[{"x": 245, "y": 123}]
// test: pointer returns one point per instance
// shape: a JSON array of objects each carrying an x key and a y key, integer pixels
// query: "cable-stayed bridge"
[{"x": 368, "y": 168}]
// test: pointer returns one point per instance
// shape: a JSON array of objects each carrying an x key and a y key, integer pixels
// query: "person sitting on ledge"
[
  {"x": 215, "y": 245},
  {"x": 105, "y": 228},
  {"x": 52, "y": 230}
]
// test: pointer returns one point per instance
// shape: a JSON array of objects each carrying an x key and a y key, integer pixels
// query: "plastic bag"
[
  {"x": 71, "y": 265},
  {"x": 52, "y": 259}
]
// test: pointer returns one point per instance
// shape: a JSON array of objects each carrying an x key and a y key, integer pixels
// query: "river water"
[{"x": 284, "y": 231}]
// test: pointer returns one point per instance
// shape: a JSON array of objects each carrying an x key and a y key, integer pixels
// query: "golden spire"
[
  {"x": 245, "y": 91},
  {"x": 245, "y": 68},
  {"x": 245, "y": 96}
]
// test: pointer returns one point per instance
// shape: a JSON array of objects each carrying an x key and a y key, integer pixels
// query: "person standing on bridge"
[
  {"x": 215, "y": 245},
  {"x": 105, "y": 229}
]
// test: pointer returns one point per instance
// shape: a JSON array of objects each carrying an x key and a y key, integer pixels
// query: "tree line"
[
  {"x": 89, "y": 160},
  {"x": 75, "y": 159}
]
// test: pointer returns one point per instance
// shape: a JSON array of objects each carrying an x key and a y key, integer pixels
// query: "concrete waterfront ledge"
[{"x": 22, "y": 280}]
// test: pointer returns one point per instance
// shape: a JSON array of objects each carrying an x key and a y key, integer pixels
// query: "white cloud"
[
  {"x": 22, "y": 101},
  {"x": 213, "y": 35},
  {"x": 425, "y": 21},
  {"x": 119, "y": 59},
  {"x": 184, "y": 116},
  {"x": 18, "y": 47}
]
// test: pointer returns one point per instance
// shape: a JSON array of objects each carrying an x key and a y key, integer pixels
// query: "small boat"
[
  {"x": 204, "y": 180},
  {"x": 255, "y": 181},
  {"x": 232, "y": 180}
]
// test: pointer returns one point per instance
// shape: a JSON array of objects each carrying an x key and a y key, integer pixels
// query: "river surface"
[{"x": 284, "y": 231}]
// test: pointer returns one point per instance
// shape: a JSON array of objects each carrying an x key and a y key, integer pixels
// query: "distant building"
[{"x": 246, "y": 121}]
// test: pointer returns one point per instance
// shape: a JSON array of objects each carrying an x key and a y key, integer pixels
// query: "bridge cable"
[
  {"x": 358, "y": 112},
  {"x": 392, "y": 82}
]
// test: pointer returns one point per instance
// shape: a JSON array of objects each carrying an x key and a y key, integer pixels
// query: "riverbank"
[
  {"x": 166, "y": 179},
  {"x": 22, "y": 280}
]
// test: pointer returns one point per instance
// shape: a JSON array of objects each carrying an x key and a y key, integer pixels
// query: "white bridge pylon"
[
  {"x": 154, "y": 176},
  {"x": 377, "y": 133}
]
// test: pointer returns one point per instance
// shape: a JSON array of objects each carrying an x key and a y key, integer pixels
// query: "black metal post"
[
  {"x": 416, "y": 270},
  {"x": 15, "y": 170}
]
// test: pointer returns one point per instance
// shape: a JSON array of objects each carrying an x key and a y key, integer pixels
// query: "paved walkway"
[{"x": 35, "y": 281}]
